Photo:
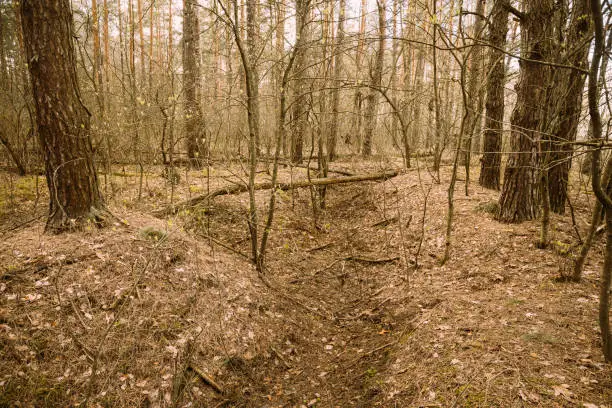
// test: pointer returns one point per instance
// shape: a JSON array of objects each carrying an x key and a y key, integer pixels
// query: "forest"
[{"x": 305, "y": 203}]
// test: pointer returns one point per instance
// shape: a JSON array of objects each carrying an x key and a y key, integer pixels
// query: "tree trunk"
[
  {"x": 520, "y": 199},
  {"x": 196, "y": 145},
  {"x": 569, "y": 85},
  {"x": 372, "y": 99},
  {"x": 475, "y": 73},
  {"x": 491, "y": 159},
  {"x": 338, "y": 71},
  {"x": 358, "y": 98},
  {"x": 16, "y": 159},
  {"x": 252, "y": 26},
  {"x": 63, "y": 120},
  {"x": 300, "y": 110}
]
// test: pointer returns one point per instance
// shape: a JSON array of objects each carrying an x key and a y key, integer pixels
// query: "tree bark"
[
  {"x": 474, "y": 93},
  {"x": 492, "y": 145},
  {"x": 356, "y": 129},
  {"x": 568, "y": 90},
  {"x": 338, "y": 71},
  {"x": 63, "y": 120},
  {"x": 372, "y": 99},
  {"x": 520, "y": 198},
  {"x": 194, "y": 126},
  {"x": 252, "y": 27},
  {"x": 300, "y": 110}
]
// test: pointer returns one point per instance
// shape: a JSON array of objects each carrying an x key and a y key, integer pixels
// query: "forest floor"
[{"x": 354, "y": 309}]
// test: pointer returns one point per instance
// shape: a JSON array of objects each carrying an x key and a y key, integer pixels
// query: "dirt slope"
[{"x": 346, "y": 321}]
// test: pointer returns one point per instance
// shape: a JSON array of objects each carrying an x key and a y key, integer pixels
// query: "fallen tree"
[{"x": 242, "y": 188}]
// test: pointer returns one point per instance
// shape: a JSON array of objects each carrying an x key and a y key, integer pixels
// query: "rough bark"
[
  {"x": 194, "y": 129},
  {"x": 492, "y": 144},
  {"x": 520, "y": 199},
  {"x": 63, "y": 120},
  {"x": 568, "y": 90}
]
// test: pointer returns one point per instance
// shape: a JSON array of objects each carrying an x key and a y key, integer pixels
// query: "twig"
[
  {"x": 224, "y": 245},
  {"x": 320, "y": 247},
  {"x": 207, "y": 379},
  {"x": 369, "y": 353},
  {"x": 280, "y": 357},
  {"x": 78, "y": 315},
  {"x": 370, "y": 260},
  {"x": 385, "y": 222}
]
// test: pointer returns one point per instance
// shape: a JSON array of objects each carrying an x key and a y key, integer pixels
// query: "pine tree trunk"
[
  {"x": 520, "y": 199},
  {"x": 63, "y": 120},
  {"x": 196, "y": 145},
  {"x": 568, "y": 90},
  {"x": 492, "y": 145}
]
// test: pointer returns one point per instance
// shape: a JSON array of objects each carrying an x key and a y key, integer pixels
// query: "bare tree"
[{"x": 372, "y": 99}]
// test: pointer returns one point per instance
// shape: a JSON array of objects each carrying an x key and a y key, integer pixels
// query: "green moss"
[
  {"x": 489, "y": 207},
  {"x": 195, "y": 189},
  {"x": 153, "y": 234},
  {"x": 540, "y": 337}
]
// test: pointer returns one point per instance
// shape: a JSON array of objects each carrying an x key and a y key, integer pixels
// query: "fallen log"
[
  {"x": 241, "y": 188},
  {"x": 313, "y": 166}
]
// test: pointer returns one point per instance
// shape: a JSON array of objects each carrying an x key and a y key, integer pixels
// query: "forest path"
[
  {"x": 488, "y": 329},
  {"x": 348, "y": 322}
]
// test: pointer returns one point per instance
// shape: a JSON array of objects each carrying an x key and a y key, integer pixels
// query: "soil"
[{"x": 354, "y": 308}]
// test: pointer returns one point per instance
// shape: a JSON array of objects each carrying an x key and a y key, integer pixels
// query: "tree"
[
  {"x": 196, "y": 146},
  {"x": 300, "y": 109},
  {"x": 372, "y": 99},
  {"x": 491, "y": 158},
  {"x": 474, "y": 91},
  {"x": 567, "y": 96},
  {"x": 520, "y": 198},
  {"x": 602, "y": 196},
  {"x": 338, "y": 71},
  {"x": 62, "y": 118}
]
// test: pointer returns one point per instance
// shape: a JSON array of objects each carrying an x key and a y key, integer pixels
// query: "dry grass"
[{"x": 144, "y": 301}]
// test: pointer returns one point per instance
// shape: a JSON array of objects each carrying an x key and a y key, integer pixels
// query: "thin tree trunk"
[
  {"x": 358, "y": 98},
  {"x": 141, "y": 43},
  {"x": 338, "y": 72},
  {"x": 436, "y": 100},
  {"x": 474, "y": 93},
  {"x": 252, "y": 27},
  {"x": 9, "y": 148},
  {"x": 494, "y": 122},
  {"x": 372, "y": 99},
  {"x": 300, "y": 109}
]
